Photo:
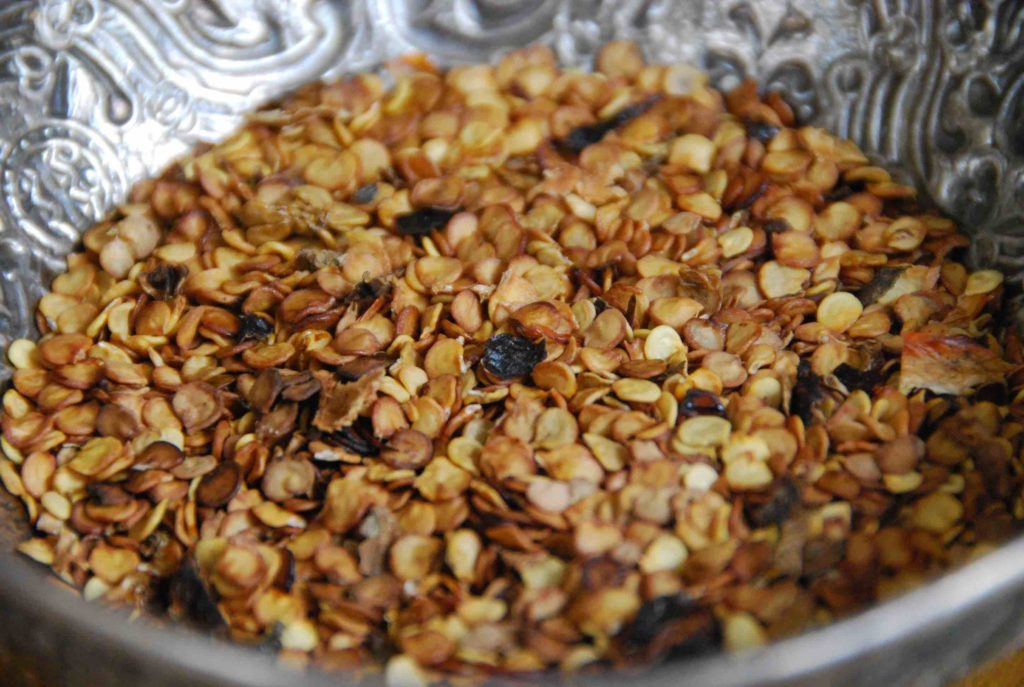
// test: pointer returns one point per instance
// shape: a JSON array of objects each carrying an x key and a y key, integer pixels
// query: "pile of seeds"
[{"x": 512, "y": 368}]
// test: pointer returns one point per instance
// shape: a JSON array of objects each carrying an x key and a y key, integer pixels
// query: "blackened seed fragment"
[
  {"x": 844, "y": 191},
  {"x": 762, "y": 131},
  {"x": 164, "y": 281},
  {"x": 775, "y": 507},
  {"x": 854, "y": 379},
  {"x": 507, "y": 355},
  {"x": 749, "y": 200},
  {"x": 653, "y": 615},
  {"x": 366, "y": 292},
  {"x": 806, "y": 393},
  {"x": 583, "y": 136},
  {"x": 881, "y": 282},
  {"x": 365, "y": 194},
  {"x": 671, "y": 627},
  {"x": 191, "y": 598},
  {"x": 357, "y": 438},
  {"x": 254, "y": 328},
  {"x": 423, "y": 221},
  {"x": 701, "y": 402},
  {"x": 775, "y": 225}
]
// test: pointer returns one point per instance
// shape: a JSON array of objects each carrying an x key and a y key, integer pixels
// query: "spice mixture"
[{"x": 507, "y": 369}]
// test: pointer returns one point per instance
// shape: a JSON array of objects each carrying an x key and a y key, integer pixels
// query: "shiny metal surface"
[{"x": 97, "y": 94}]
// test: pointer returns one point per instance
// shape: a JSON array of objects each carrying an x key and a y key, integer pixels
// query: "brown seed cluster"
[{"x": 510, "y": 369}]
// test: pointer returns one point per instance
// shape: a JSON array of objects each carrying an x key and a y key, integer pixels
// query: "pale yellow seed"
[
  {"x": 57, "y": 505},
  {"x": 736, "y": 241},
  {"x": 937, "y": 512},
  {"x": 300, "y": 635},
  {"x": 902, "y": 484},
  {"x": 667, "y": 552},
  {"x": 662, "y": 343},
  {"x": 838, "y": 311},
  {"x": 692, "y": 151},
  {"x": 22, "y": 354},
  {"x": 636, "y": 390},
  {"x": 741, "y": 632},
  {"x": 748, "y": 473},
  {"x": 705, "y": 430},
  {"x": 700, "y": 477},
  {"x": 983, "y": 281},
  {"x": 777, "y": 280}
]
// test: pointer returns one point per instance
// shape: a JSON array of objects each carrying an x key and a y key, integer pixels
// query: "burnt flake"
[
  {"x": 191, "y": 598},
  {"x": 254, "y": 328},
  {"x": 673, "y": 626},
  {"x": 806, "y": 393},
  {"x": 853, "y": 378},
  {"x": 423, "y": 221},
  {"x": 507, "y": 355},
  {"x": 761, "y": 131},
  {"x": 357, "y": 438},
  {"x": 164, "y": 281},
  {"x": 775, "y": 509},
  {"x": 583, "y": 136},
  {"x": 881, "y": 282},
  {"x": 365, "y": 194}
]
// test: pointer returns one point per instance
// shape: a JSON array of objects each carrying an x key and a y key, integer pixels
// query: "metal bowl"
[{"x": 97, "y": 94}]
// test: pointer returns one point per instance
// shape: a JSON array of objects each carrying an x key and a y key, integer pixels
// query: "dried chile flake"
[
  {"x": 507, "y": 355},
  {"x": 423, "y": 221}
]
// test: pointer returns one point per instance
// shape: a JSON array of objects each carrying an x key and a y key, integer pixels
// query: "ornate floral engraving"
[{"x": 97, "y": 94}]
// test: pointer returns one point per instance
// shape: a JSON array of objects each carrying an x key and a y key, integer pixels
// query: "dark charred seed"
[
  {"x": 423, "y": 221},
  {"x": 701, "y": 402},
  {"x": 806, "y": 393},
  {"x": 192, "y": 599},
  {"x": 762, "y": 131},
  {"x": 507, "y": 356},
  {"x": 164, "y": 281},
  {"x": 583, "y": 136},
  {"x": 773, "y": 508},
  {"x": 881, "y": 282},
  {"x": 365, "y": 194},
  {"x": 254, "y": 328}
]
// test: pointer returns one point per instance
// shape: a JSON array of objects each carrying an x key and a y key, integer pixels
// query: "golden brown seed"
[
  {"x": 838, "y": 311},
  {"x": 160, "y": 455},
  {"x": 288, "y": 478},
  {"x": 408, "y": 448},
  {"x": 219, "y": 486},
  {"x": 198, "y": 405},
  {"x": 414, "y": 556}
]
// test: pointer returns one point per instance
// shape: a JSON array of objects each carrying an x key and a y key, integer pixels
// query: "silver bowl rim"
[{"x": 841, "y": 642}]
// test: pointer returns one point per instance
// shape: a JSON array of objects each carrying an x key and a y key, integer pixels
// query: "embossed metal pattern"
[{"x": 97, "y": 94}]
